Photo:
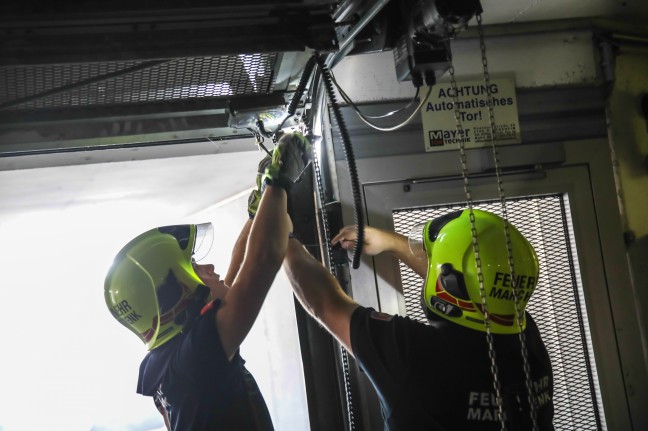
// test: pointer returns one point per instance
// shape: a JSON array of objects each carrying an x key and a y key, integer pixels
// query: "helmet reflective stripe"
[
  {"x": 152, "y": 283},
  {"x": 443, "y": 294},
  {"x": 451, "y": 288}
]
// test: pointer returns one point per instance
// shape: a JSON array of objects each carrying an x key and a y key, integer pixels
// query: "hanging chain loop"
[
  {"x": 519, "y": 313},
  {"x": 475, "y": 242}
]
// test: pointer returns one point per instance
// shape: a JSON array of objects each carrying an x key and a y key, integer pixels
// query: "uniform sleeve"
[
  {"x": 386, "y": 349},
  {"x": 381, "y": 345}
]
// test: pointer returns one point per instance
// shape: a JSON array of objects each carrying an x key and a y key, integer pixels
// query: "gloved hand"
[{"x": 255, "y": 195}]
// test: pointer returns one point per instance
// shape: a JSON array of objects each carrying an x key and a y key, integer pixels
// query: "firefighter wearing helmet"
[
  {"x": 191, "y": 321},
  {"x": 439, "y": 374},
  {"x": 452, "y": 288}
]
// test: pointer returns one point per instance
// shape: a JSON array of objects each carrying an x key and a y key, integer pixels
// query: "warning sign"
[{"x": 439, "y": 113}]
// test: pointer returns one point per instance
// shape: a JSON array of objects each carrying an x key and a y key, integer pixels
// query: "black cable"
[
  {"x": 294, "y": 102},
  {"x": 308, "y": 70},
  {"x": 262, "y": 130},
  {"x": 299, "y": 92},
  {"x": 348, "y": 151}
]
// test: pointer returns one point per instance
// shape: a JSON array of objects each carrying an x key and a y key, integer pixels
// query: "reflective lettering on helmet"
[
  {"x": 132, "y": 317},
  {"x": 507, "y": 294},
  {"x": 503, "y": 285},
  {"x": 501, "y": 293},
  {"x": 123, "y": 311},
  {"x": 521, "y": 281}
]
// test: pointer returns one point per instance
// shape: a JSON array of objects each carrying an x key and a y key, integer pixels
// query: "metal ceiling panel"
[{"x": 124, "y": 82}]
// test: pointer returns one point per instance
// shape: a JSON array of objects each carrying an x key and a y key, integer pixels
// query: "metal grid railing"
[
  {"x": 557, "y": 305},
  {"x": 123, "y": 82}
]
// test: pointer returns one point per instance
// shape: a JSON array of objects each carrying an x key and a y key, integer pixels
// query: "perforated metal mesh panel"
[
  {"x": 557, "y": 305},
  {"x": 84, "y": 84}
]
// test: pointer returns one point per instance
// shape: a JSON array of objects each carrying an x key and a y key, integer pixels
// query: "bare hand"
[{"x": 376, "y": 241}]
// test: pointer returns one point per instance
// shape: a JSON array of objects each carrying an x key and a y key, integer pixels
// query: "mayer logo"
[{"x": 436, "y": 138}]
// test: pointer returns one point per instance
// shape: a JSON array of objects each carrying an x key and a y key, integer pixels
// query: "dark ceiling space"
[{"x": 71, "y": 71}]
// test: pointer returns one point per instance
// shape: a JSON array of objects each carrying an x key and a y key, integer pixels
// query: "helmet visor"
[
  {"x": 415, "y": 239},
  {"x": 203, "y": 241}
]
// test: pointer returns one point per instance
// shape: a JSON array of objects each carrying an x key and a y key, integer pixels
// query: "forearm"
[
  {"x": 304, "y": 272},
  {"x": 269, "y": 231},
  {"x": 315, "y": 287},
  {"x": 319, "y": 293},
  {"x": 398, "y": 246},
  {"x": 263, "y": 257},
  {"x": 238, "y": 253},
  {"x": 377, "y": 241}
]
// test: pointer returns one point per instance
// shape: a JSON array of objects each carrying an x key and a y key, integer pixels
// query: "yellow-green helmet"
[
  {"x": 151, "y": 287},
  {"x": 451, "y": 287}
]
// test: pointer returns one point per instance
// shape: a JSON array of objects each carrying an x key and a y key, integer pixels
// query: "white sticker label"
[{"x": 438, "y": 115}]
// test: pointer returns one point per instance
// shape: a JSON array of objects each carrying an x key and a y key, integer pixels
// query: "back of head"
[
  {"x": 452, "y": 288},
  {"x": 152, "y": 288}
]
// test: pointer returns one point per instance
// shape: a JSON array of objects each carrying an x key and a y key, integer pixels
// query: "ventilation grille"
[
  {"x": 556, "y": 306},
  {"x": 107, "y": 83}
]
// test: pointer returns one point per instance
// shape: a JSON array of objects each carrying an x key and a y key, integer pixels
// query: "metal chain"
[
  {"x": 344, "y": 355},
  {"x": 519, "y": 313},
  {"x": 475, "y": 242}
]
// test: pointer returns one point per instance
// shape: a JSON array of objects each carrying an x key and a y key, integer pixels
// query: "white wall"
[{"x": 65, "y": 363}]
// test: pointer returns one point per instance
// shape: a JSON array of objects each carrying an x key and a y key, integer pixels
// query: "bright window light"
[{"x": 67, "y": 365}]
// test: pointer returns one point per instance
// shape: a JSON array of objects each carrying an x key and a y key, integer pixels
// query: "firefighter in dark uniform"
[
  {"x": 191, "y": 321},
  {"x": 437, "y": 376}
]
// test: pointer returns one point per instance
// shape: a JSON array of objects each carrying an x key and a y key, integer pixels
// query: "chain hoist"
[
  {"x": 519, "y": 314},
  {"x": 492, "y": 137}
]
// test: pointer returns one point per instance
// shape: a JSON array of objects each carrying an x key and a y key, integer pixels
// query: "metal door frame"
[{"x": 586, "y": 177}]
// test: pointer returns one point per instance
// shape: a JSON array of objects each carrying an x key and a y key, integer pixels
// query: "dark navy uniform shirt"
[
  {"x": 438, "y": 376},
  {"x": 200, "y": 388}
]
